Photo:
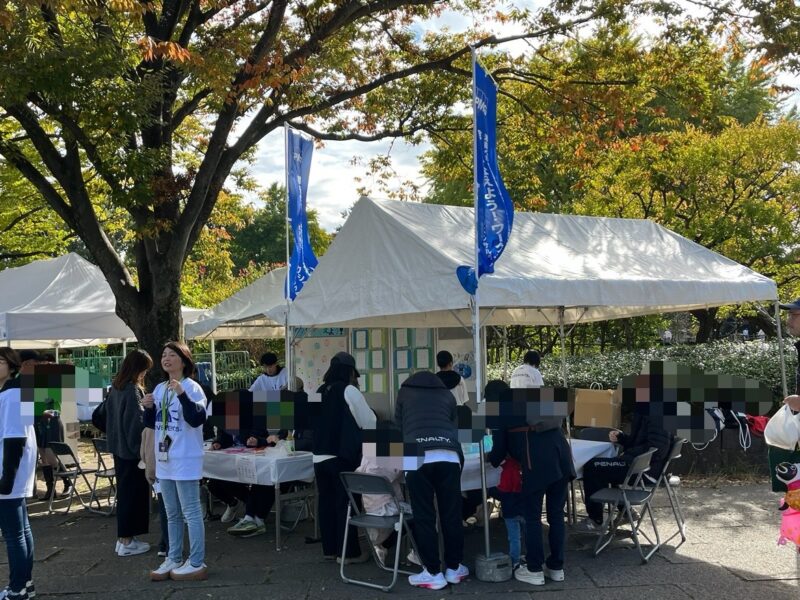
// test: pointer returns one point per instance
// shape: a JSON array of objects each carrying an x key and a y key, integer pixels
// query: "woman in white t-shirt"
[
  {"x": 18, "y": 460},
  {"x": 177, "y": 410}
]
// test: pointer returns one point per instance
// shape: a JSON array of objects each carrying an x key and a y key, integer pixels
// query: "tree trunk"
[{"x": 706, "y": 319}]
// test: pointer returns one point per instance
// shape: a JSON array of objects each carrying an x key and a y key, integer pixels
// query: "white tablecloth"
[
  {"x": 265, "y": 467},
  {"x": 582, "y": 452}
]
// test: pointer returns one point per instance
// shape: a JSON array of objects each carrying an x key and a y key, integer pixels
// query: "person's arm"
[
  {"x": 499, "y": 447},
  {"x": 194, "y": 409},
  {"x": 362, "y": 413},
  {"x": 12, "y": 457},
  {"x": 131, "y": 421}
]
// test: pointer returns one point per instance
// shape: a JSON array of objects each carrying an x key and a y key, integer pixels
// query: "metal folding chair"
[
  {"x": 672, "y": 495},
  {"x": 366, "y": 484},
  {"x": 629, "y": 494},
  {"x": 69, "y": 467},
  {"x": 104, "y": 471}
]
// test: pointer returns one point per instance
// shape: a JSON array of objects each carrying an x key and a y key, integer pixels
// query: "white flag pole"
[{"x": 286, "y": 329}]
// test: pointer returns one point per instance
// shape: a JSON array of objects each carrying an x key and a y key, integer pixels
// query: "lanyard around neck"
[{"x": 166, "y": 398}]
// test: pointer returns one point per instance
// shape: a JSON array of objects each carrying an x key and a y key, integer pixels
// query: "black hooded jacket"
[
  {"x": 647, "y": 433},
  {"x": 426, "y": 413},
  {"x": 449, "y": 378}
]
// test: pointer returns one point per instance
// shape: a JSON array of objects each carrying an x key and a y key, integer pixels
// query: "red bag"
[{"x": 510, "y": 477}]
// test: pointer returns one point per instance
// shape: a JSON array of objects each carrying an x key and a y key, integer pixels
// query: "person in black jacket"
[
  {"x": 646, "y": 432},
  {"x": 124, "y": 432},
  {"x": 539, "y": 446},
  {"x": 344, "y": 413},
  {"x": 426, "y": 414}
]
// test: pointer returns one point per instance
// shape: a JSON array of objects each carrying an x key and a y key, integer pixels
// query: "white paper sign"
[
  {"x": 361, "y": 339},
  {"x": 377, "y": 359},
  {"x": 402, "y": 338},
  {"x": 402, "y": 360},
  {"x": 376, "y": 338},
  {"x": 377, "y": 383},
  {"x": 246, "y": 468},
  {"x": 423, "y": 358}
]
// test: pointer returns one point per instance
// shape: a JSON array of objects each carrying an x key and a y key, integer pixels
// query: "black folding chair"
[
  {"x": 105, "y": 470},
  {"x": 366, "y": 484},
  {"x": 69, "y": 467},
  {"x": 629, "y": 494}
]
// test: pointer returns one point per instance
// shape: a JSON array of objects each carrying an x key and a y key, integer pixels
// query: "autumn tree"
[{"x": 157, "y": 102}]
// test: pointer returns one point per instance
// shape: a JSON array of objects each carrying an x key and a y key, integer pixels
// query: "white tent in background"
[
  {"x": 393, "y": 264},
  {"x": 63, "y": 302},
  {"x": 241, "y": 316}
]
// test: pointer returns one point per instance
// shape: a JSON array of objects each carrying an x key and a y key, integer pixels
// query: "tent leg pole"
[
  {"x": 780, "y": 347},
  {"x": 124, "y": 348},
  {"x": 213, "y": 366},
  {"x": 56, "y": 353}
]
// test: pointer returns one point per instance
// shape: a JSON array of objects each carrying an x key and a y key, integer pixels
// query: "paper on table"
[{"x": 246, "y": 468}]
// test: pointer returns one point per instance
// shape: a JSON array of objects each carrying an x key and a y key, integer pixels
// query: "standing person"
[
  {"x": 177, "y": 410},
  {"x": 426, "y": 414},
  {"x": 274, "y": 376},
  {"x": 124, "y": 432},
  {"x": 539, "y": 446},
  {"x": 527, "y": 375},
  {"x": 452, "y": 380},
  {"x": 779, "y": 455},
  {"x": 18, "y": 460},
  {"x": 337, "y": 448}
]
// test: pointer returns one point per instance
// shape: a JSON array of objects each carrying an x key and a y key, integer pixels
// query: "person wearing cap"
[
  {"x": 452, "y": 380},
  {"x": 344, "y": 414},
  {"x": 274, "y": 376},
  {"x": 527, "y": 375}
]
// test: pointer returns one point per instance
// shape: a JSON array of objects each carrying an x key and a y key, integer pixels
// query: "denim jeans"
[
  {"x": 514, "y": 531},
  {"x": 19, "y": 541},
  {"x": 556, "y": 497},
  {"x": 182, "y": 501}
]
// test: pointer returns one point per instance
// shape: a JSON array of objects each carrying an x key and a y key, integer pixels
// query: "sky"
[{"x": 333, "y": 181}]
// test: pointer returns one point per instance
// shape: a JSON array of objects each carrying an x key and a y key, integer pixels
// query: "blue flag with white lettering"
[
  {"x": 302, "y": 261},
  {"x": 495, "y": 210}
]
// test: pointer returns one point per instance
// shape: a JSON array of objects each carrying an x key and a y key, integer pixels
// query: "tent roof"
[
  {"x": 63, "y": 301},
  {"x": 393, "y": 264},
  {"x": 242, "y": 315}
]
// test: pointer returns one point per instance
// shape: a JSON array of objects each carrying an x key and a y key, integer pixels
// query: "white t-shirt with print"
[
  {"x": 14, "y": 425},
  {"x": 526, "y": 376},
  {"x": 270, "y": 383},
  {"x": 185, "y": 456}
]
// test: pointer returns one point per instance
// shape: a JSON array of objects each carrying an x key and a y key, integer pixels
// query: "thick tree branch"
[{"x": 21, "y": 217}]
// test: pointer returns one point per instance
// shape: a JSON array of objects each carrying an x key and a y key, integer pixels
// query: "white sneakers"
[
  {"x": 456, "y": 575},
  {"x": 132, "y": 548},
  {"x": 439, "y": 581},
  {"x": 537, "y": 577},
  {"x": 163, "y": 571},
  {"x": 178, "y": 572},
  {"x": 230, "y": 512},
  {"x": 428, "y": 581},
  {"x": 188, "y": 572}
]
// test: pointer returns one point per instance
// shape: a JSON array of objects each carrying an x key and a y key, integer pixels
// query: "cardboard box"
[{"x": 598, "y": 408}]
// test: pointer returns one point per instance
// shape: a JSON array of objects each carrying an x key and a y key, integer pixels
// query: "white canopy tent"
[
  {"x": 61, "y": 302},
  {"x": 241, "y": 316},
  {"x": 393, "y": 264}
]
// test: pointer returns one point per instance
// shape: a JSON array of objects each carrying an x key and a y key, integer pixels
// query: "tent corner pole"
[
  {"x": 213, "y": 366},
  {"x": 780, "y": 347}
]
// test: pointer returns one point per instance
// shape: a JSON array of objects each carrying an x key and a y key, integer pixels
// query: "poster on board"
[{"x": 313, "y": 357}]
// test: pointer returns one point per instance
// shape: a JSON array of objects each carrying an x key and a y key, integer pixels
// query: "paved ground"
[{"x": 731, "y": 553}]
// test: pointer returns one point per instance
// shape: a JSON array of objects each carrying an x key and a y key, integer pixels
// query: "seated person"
[{"x": 646, "y": 432}]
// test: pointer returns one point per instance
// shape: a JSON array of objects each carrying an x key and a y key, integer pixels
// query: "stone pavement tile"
[
  {"x": 658, "y": 573},
  {"x": 738, "y": 590},
  {"x": 644, "y": 592}
]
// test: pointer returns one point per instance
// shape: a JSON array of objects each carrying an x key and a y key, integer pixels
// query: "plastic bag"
[{"x": 783, "y": 430}]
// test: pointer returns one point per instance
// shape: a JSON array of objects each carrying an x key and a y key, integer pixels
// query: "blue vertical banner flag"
[
  {"x": 302, "y": 261},
  {"x": 494, "y": 210}
]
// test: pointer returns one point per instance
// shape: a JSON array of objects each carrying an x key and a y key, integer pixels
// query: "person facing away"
[
  {"x": 273, "y": 377},
  {"x": 426, "y": 414},
  {"x": 527, "y": 375},
  {"x": 452, "y": 380}
]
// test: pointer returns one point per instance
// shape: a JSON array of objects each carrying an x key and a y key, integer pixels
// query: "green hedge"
[{"x": 754, "y": 360}]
